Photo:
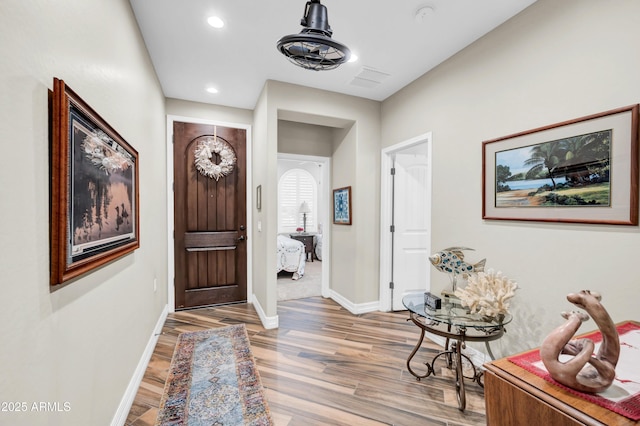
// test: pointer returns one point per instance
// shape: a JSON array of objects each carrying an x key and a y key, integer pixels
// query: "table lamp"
[{"x": 304, "y": 209}]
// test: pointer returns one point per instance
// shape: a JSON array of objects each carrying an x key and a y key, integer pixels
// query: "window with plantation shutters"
[{"x": 295, "y": 187}]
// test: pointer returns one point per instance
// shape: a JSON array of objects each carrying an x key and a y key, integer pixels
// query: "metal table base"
[{"x": 453, "y": 355}]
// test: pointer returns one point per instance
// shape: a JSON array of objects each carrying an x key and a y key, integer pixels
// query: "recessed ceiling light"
[
  {"x": 212, "y": 90},
  {"x": 215, "y": 22}
]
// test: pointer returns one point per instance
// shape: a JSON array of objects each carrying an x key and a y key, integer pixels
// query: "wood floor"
[{"x": 325, "y": 366}]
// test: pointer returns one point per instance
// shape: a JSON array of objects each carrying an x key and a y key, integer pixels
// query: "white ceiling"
[{"x": 189, "y": 55}]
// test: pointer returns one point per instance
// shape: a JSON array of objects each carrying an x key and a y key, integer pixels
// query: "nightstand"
[{"x": 307, "y": 240}]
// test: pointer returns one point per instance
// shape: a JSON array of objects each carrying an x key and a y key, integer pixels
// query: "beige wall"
[
  {"x": 554, "y": 62},
  {"x": 299, "y": 120},
  {"x": 304, "y": 139},
  {"x": 344, "y": 243},
  {"x": 308, "y": 140},
  {"x": 356, "y": 166},
  {"x": 81, "y": 343},
  {"x": 265, "y": 221},
  {"x": 208, "y": 112}
]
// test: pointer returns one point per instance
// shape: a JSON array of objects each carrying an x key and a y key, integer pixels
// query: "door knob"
[
  {"x": 242, "y": 227},
  {"x": 241, "y": 238}
]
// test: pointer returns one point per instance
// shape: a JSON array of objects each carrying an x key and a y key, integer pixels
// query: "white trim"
[
  {"x": 354, "y": 308},
  {"x": 129, "y": 396},
  {"x": 386, "y": 162},
  {"x": 170, "y": 204},
  {"x": 325, "y": 216},
  {"x": 267, "y": 322}
]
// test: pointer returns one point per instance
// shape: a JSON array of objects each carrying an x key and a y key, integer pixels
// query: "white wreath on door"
[{"x": 205, "y": 150}]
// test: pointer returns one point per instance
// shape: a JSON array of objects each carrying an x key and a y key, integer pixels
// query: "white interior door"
[{"x": 411, "y": 223}]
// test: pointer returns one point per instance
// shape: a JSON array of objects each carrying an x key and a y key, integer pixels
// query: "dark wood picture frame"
[
  {"x": 94, "y": 204},
  {"x": 342, "y": 206},
  {"x": 582, "y": 171}
]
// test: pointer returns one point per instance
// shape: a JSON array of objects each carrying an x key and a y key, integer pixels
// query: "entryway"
[
  {"x": 315, "y": 281},
  {"x": 405, "y": 218},
  {"x": 208, "y": 199}
]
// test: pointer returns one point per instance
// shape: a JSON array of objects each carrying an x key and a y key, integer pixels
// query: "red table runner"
[{"x": 623, "y": 396}]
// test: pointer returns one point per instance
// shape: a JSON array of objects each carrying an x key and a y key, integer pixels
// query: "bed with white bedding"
[
  {"x": 318, "y": 246},
  {"x": 291, "y": 256}
]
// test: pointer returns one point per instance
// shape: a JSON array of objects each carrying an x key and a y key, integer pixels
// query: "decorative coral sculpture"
[{"x": 488, "y": 294}]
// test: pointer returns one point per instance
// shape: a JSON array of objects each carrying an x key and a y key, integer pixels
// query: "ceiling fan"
[{"x": 313, "y": 48}]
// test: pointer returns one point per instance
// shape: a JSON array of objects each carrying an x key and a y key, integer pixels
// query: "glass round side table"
[{"x": 453, "y": 322}]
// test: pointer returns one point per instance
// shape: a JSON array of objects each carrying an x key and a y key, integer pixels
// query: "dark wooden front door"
[{"x": 210, "y": 218}]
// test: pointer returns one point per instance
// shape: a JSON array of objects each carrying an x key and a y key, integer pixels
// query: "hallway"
[{"x": 325, "y": 366}]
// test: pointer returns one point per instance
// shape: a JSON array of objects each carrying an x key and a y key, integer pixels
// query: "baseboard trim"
[
  {"x": 267, "y": 322},
  {"x": 129, "y": 396},
  {"x": 354, "y": 308}
]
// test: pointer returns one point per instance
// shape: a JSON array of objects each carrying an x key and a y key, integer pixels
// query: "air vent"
[
  {"x": 369, "y": 78},
  {"x": 372, "y": 74},
  {"x": 363, "y": 82}
]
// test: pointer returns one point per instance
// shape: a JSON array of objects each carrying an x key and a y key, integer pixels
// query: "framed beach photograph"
[
  {"x": 342, "y": 206},
  {"x": 582, "y": 171},
  {"x": 94, "y": 189}
]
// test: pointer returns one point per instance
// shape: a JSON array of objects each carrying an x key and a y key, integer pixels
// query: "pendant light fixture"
[{"x": 313, "y": 48}]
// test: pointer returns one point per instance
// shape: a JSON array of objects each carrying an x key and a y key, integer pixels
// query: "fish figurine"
[{"x": 451, "y": 260}]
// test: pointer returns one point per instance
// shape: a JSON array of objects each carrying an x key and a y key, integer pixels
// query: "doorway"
[
  {"x": 222, "y": 268},
  {"x": 405, "y": 233},
  {"x": 210, "y": 214},
  {"x": 315, "y": 281}
]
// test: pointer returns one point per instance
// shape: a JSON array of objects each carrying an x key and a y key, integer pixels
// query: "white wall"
[
  {"x": 80, "y": 344},
  {"x": 555, "y": 61}
]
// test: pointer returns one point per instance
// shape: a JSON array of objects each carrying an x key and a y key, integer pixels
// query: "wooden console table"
[{"x": 514, "y": 396}]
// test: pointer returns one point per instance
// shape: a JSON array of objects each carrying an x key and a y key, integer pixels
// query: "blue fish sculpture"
[{"x": 451, "y": 260}]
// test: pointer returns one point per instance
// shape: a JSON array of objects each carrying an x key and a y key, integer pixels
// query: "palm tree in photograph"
[{"x": 548, "y": 155}]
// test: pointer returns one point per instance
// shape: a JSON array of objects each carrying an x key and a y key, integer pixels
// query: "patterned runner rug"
[{"x": 213, "y": 380}]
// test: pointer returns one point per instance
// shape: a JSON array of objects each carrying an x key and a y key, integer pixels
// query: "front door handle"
[{"x": 241, "y": 238}]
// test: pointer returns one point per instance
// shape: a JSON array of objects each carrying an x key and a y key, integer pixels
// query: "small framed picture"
[{"x": 342, "y": 206}]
